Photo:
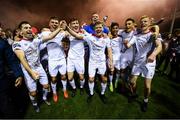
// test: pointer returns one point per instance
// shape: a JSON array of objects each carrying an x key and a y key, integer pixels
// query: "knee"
[
  {"x": 132, "y": 82},
  {"x": 91, "y": 79},
  {"x": 53, "y": 79},
  {"x": 63, "y": 77},
  {"x": 33, "y": 93},
  {"x": 46, "y": 86},
  {"x": 104, "y": 79},
  {"x": 81, "y": 77},
  {"x": 69, "y": 78},
  {"x": 148, "y": 87}
]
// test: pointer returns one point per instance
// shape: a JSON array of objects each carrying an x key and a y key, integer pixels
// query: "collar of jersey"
[
  {"x": 26, "y": 39},
  {"x": 102, "y": 36}
]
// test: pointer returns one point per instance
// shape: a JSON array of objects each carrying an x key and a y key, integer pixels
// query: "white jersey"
[
  {"x": 54, "y": 47},
  {"x": 97, "y": 47},
  {"x": 116, "y": 44},
  {"x": 144, "y": 46},
  {"x": 44, "y": 33},
  {"x": 76, "y": 49},
  {"x": 31, "y": 50},
  {"x": 126, "y": 36},
  {"x": 43, "y": 49}
]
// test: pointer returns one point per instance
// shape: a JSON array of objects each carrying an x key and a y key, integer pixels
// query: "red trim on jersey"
[{"x": 98, "y": 36}]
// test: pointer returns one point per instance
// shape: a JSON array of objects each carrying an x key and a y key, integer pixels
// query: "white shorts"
[
  {"x": 93, "y": 65},
  {"x": 75, "y": 64},
  {"x": 31, "y": 83},
  {"x": 125, "y": 60},
  {"x": 146, "y": 70},
  {"x": 57, "y": 65}
]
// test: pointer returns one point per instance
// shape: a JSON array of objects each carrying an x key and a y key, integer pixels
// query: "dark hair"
[
  {"x": 73, "y": 19},
  {"x": 114, "y": 24},
  {"x": 130, "y": 19},
  {"x": 21, "y": 23},
  {"x": 54, "y": 18}
]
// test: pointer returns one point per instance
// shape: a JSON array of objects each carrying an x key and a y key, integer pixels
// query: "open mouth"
[
  {"x": 76, "y": 28},
  {"x": 29, "y": 33},
  {"x": 98, "y": 31}
]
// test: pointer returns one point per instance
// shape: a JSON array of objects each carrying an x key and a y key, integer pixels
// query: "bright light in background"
[
  {"x": 119, "y": 10},
  {"x": 38, "y": 12}
]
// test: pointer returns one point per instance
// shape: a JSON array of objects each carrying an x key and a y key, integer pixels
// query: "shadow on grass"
[{"x": 171, "y": 105}]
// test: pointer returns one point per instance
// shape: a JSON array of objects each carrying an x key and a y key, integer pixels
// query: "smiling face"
[
  {"x": 53, "y": 24},
  {"x": 129, "y": 25},
  {"x": 26, "y": 31},
  {"x": 114, "y": 30},
  {"x": 98, "y": 29},
  {"x": 74, "y": 25},
  {"x": 95, "y": 18},
  {"x": 145, "y": 22}
]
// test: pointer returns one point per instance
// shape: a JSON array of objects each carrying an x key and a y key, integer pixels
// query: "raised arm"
[
  {"x": 76, "y": 35},
  {"x": 51, "y": 35}
]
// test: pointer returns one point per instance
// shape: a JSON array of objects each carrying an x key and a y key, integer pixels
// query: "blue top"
[
  {"x": 7, "y": 58},
  {"x": 90, "y": 29}
]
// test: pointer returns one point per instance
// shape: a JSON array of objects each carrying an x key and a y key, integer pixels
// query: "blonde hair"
[{"x": 144, "y": 16}]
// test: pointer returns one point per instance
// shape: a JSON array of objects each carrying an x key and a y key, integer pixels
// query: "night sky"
[{"x": 38, "y": 12}]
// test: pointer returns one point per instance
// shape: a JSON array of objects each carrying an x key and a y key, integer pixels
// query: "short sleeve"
[
  {"x": 38, "y": 40},
  {"x": 108, "y": 41},
  {"x": 87, "y": 37},
  {"x": 16, "y": 46}
]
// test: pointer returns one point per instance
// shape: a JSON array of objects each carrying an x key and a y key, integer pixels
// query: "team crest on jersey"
[
  {"x": 25, "y": 44},
  {"x": 16, "y": 45}
]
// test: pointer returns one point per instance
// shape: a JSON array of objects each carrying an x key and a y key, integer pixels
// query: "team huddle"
[{"x": 112, "y": 52}]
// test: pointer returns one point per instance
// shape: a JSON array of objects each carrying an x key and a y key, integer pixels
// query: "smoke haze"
[{"x": 38, "y": 12}]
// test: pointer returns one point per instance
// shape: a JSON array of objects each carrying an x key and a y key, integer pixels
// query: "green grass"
[{"x": 163, "y": 103}]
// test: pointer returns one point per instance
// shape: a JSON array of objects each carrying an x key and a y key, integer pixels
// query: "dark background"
[{"x": 38, "y": 12}]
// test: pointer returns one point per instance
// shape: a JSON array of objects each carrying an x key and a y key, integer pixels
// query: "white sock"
[
  {"x": 91, "y": 87},
  {"x": 53, "y": 85},
  {"x": 82, "y": 83},
  {"x": 110, "y": 78},
  {"x": 145, "y": 100},
  {"x": 45, "y": 93},
  {"x": 117, "y": 77},
  {"x": 72, "y": 83},
  {"x": 33, "y": 100},
  {"x": 64, "y": 83},
  {"x": 103, "y": 87}
]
